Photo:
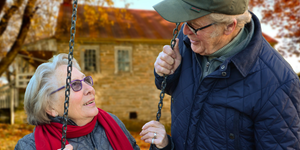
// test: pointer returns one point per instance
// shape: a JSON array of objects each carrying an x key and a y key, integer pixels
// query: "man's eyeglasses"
[
  {"x": 76, "y": 85},
  {"x": 196, "y": 30}
]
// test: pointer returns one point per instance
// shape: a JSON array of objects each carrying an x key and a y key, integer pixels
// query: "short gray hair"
[
  {"x": 37, "y": 95},
  {"x": 228, "y": 19}
]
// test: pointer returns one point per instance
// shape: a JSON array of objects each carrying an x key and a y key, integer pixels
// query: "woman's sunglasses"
[{"x": 76, "y": 85}]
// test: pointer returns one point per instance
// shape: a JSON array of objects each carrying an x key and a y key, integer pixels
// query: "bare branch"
[
  {"x": 2, "y": 3},
  {"x": 26, "y": 21},
  {"x": 8, "y": 14}
]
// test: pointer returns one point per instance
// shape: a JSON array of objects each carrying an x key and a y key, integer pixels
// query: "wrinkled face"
[
  {"x": 204, "y": 43},
  {"x": 82, "y": 107}
]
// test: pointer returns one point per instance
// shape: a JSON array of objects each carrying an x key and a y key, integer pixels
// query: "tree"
[
  {"x": 284, "y": 15},
  {"x": 28, "y": 20},
  {"x": 29, "y": 11}
]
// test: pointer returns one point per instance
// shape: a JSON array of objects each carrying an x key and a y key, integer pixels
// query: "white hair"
[
  {"x": 228, "y": 19},
  {"x": 37, "y": 95}
]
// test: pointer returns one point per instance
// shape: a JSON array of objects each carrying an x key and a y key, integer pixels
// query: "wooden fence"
[{"x": 9, "y": 99}]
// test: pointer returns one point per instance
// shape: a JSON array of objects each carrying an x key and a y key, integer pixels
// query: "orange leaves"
[
  {"x": 10, "y": 134},
  {"x": 91, "y": 15},
  {"x": 285, "y": 15},
  {"x": 139, "y": 142}
]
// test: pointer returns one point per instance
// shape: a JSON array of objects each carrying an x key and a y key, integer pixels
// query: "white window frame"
[
  {"x": 97, "y": 53},
  {"x": 126, "y": 48}
]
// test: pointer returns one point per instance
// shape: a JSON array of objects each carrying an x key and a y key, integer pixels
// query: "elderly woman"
[{"x": 88, "y": 126}]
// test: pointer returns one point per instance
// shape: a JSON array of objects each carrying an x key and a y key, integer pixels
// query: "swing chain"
[
  {"x": 164, "y": 83},
  {"x": 69, "y": 70}
]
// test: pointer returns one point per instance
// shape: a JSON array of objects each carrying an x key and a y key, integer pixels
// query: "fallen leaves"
[{"x": 10, "y": 134}]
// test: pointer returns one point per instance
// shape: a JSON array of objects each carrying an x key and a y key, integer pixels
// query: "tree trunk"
[{"x": 29, "y": 11}]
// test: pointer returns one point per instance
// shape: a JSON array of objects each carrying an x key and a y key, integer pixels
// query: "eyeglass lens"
[
  {"x": 193, "y": 30},
  {"x": 77, "y": 84}
]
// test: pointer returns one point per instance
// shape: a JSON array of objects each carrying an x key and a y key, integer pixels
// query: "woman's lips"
[{"x": 90, "y": 102}]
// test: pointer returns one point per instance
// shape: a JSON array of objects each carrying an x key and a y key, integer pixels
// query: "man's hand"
[{"x": 168, "y": 60}]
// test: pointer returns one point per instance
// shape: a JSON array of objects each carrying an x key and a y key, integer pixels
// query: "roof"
[
  {"x": 142, "y": 25},
  {"x": 269, "y": 39}
]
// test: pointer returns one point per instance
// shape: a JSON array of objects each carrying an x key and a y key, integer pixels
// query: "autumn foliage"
[
  {"x": 284, "y": 15},
  {"x": 26, "y": 21}
]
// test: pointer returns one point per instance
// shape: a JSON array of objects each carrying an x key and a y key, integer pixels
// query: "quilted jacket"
[
  {"x": 251, "y": 101},
  {"x": 96, "y": 140}
]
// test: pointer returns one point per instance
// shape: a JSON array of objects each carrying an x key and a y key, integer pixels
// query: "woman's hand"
[
  {"x": 155, "y": 133},
  {"x": 68, "y": 147}
]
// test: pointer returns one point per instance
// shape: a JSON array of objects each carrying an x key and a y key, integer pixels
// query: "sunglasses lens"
[
  {"x": 88, "y": 80},
  {"x": 76, "y": 85}
]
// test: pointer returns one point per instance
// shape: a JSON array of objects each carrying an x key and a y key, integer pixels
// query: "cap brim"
[{"x": 178, "y": 11}]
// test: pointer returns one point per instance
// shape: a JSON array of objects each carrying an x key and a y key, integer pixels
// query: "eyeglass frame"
[
  {"x": 72, "y": 87},
  {"x": 196, "y": 30}
]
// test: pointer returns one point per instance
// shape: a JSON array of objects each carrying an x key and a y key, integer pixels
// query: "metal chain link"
[
  {"x": 69, "y": 70},
  {"x": 164, "y": 83}
]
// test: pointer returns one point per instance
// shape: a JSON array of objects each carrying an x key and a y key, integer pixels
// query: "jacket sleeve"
[
  {"x": 27, "y": 142},
  {"x": 277, "y": 125},
  {"x": 170, "y": 145},
  {"x": 172, "y": 80}
]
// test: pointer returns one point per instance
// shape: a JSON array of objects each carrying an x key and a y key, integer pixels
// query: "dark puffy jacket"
[
  {"x": 252, "y": 101},
  {"x": 96, "y": 140}
]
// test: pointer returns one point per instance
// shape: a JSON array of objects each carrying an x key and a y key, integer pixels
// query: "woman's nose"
[{"x": 88, "y": 89}]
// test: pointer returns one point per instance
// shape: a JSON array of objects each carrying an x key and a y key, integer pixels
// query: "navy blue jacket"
[{"x": 252, "y": 101}]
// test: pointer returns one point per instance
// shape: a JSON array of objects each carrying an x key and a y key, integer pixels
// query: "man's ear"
[{"x": 231, "y": 27}]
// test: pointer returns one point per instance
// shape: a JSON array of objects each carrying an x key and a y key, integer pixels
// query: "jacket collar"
[{"x": 245, "y": 59}]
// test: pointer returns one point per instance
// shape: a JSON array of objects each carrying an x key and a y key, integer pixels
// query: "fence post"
[{"x": 12, "y": 100}]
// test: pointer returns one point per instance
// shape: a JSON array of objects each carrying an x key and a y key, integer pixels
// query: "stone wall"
[{"x": 130, "y": 92}]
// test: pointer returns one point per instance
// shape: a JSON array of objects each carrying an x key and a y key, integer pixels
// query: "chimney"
[{"x": 67, "y": 2}]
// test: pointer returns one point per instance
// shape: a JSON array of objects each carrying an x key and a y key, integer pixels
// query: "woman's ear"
[{"x": 52, "y": 112}]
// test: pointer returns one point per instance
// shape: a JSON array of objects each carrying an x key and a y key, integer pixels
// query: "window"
[
  {"x": 132, "y": 115},
  {"x": 123, "y": 61},
  {"x": 90, "y": 58}
]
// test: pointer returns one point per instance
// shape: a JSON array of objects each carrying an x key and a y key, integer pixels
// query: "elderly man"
[{"x": 230, "y": 89}]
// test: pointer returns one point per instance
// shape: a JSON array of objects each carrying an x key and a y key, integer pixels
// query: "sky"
[{"x": 267, "y": 29}]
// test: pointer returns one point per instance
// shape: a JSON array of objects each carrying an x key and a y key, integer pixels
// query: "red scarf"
[{"x": 48, "y": 136}]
